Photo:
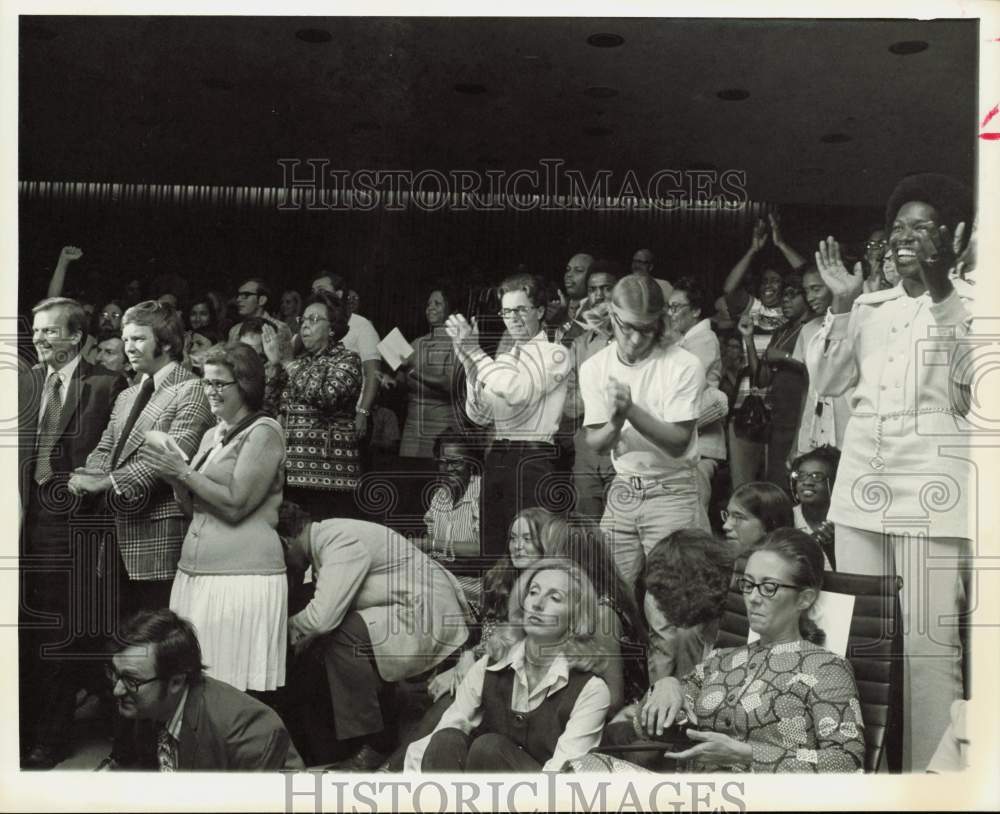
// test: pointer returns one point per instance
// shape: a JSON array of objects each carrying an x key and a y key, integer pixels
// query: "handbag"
[{"x": 752, "y": 419}]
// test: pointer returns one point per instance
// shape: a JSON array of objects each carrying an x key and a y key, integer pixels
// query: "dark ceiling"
[{"x": 219, "y": 100}]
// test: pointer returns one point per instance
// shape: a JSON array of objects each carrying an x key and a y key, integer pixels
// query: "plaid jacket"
[{"x": 149, "y": 524}]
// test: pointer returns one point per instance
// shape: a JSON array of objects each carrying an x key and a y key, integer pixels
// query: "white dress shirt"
[
  {"x": 65, "y": 374},
  {"x": 701, "y": 340},
  {"x": 522, "y": 391},
  {"x": 583, "y": 730}
]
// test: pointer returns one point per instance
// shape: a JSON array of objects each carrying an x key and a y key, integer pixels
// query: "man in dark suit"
[
  {"x": 149, "y": 524},
  {"x": 64, "y": 404},
  {"x": 181, "y": 719}
]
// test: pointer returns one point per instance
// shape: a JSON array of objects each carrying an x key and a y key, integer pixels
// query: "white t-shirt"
[
  {"x": 667, "y": 384},
  {"x": 362, "y": 338}
]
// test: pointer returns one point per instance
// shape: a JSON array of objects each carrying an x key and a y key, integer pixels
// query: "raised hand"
[
  {"x": 844, "y": 286},
  {"x": 966, "y": 262},
  {"x": 462, "y": 332},
  {"x": 277, "y": 344},
  {"x": 759, "y": 239},
  {"x": 69, "y": 254},
  {"x": 936, "y": 255},
  {"x": 774, "y": 219}
]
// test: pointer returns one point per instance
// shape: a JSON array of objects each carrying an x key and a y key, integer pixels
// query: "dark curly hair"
[
  {"x": 952, "y": 199},
  {"x": 688, "y": 573}
]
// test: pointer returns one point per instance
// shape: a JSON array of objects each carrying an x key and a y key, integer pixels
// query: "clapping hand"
[
  {"x": 774, "y": 219},
  {"x": 936, "y": 253},
  {"x": 276, "y": 340},
  {"x": 619, "y": 400},
  {"x": 461, "y": 331},
  {"x": 759, "y": 239},
  {"x": 844, "y": 286},
  {"x": 966, "y": 262}
]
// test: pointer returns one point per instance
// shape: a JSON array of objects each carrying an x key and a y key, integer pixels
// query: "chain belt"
[{"x": 877, "y": 462}]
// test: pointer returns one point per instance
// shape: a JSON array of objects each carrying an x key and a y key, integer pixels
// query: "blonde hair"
[
  {"x": 641, "y": 294},
  {"x": 580, "y": 647}
]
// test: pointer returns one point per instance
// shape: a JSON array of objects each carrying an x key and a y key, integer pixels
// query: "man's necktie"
[
  {"x": 166, "y": 751},
  {"x": 141, "y": 400},
  {"x": 47, "y": 428}
]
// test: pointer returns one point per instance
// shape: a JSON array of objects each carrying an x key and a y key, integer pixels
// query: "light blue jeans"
[{"x": 642, "y": 511}]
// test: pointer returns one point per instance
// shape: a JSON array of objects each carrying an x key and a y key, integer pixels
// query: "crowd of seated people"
[{"x": 591, "y": 492}]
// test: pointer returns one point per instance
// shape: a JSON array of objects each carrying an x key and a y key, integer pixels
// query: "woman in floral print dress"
[
  {"x": 782, "y": 703},
  {"x": 319, "y": 392}
]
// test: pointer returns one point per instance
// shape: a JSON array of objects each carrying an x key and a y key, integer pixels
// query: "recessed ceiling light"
[
  {"x": 471, "y": 88},
  {"x": 605, "y": 40},
  {"x": 31, "y": 31},
  {"x": 600, "y": 92},
  {"x": 314, "y": 35},
  {"x": 836, "y": 138},
  {"x": 598, "y": 131},
  {"x": 215, "y": 83},
  {"x": 907, "y": 47},
  {"x": 733, "y": 94}
]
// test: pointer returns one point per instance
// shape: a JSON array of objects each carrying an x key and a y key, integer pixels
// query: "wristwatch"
[{"x": 364, "y": 411}]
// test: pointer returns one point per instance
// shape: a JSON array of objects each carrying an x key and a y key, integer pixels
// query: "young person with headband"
[{"x": 642, "y": 399}]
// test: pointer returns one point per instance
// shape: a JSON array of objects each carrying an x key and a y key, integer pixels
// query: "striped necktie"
[{"x": 47, "y": 428}]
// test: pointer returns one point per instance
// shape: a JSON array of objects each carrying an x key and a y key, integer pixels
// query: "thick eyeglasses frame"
[
  {"x": 810, "y": 477},
  {"x": 645, "y": 331},
  {"x": 746, "y": 586},
  {"x": 521, "y": 311},
  {"x": 312, "y": 319},
  {"x": 131, "y": 685},
  {"x": 214, "y": 385}
]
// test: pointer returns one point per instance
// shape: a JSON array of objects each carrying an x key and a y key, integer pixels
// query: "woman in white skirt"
[{"x": 230, "y": 580}]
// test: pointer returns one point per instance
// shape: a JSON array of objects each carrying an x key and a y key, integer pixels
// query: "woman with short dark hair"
[
  {"x": 781, "y": 703},
  {"x": 230, "y": 580}
]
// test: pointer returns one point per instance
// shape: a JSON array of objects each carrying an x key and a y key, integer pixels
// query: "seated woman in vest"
[
  {"x": 534, "y": 701},
  {"x": 781, "y": 703}
]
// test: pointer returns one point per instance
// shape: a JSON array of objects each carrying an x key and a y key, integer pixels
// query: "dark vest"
[{"x": 537, "y": 731}]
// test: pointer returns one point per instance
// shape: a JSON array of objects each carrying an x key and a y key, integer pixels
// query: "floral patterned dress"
[
  {"x": 795, "y": 703},
  {"x": 317, "y": 409}
]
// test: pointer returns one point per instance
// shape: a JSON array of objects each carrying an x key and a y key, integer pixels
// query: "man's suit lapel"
[
  {"x": 190, "y": 743},
  {"x": 159, "y": 401},
  {"x": 74, "y": 392}
]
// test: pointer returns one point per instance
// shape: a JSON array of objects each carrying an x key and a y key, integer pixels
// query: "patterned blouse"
[
  {"x": 317, "y": 409},
  {"x": 795, "y": 703}
]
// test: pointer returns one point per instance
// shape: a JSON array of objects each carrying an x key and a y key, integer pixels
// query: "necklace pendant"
[{"x": 877, "y": 463}]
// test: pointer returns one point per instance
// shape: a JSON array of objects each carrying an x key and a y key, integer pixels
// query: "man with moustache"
[
  {"x": 149, "y": 524},
  {"x": 64, "y": 404},
  {"x": 901, "y": 350}
]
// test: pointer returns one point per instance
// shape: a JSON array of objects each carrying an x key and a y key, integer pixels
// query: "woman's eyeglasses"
[
  {"x": 736, "y": 517},
  {"x": 767, "y": 589},
  {"x": 810, "y": 477},
  {"x": 312, "y": 319},
  {"x": 215, "y": 385}
]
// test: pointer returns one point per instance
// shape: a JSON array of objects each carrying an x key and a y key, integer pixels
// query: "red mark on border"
[{"x": 989, "y": 117}]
